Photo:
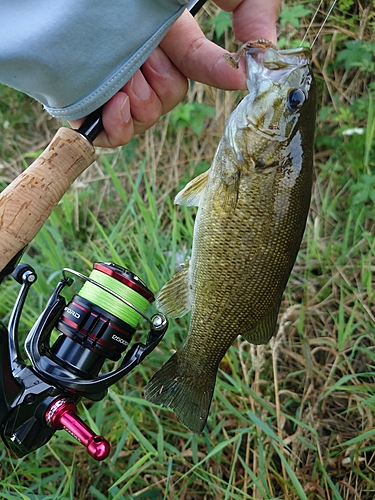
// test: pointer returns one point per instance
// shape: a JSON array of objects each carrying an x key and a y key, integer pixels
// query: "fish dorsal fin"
[
  {"x": 192, "y": 192},
  {"x": 265, "y": 328},
  {"x": 174, "y": 298}
]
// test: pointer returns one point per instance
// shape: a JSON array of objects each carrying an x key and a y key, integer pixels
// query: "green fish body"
[{"x": 252, "y": 208}]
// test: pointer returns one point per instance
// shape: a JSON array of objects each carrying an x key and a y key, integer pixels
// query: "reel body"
[{"x": 39, "y": 397}]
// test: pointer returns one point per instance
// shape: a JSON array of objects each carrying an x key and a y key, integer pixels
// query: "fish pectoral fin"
[
  {"x": 193, "y": 191},
  {"x": 174, "y": 298},
  {"x": 264, "y": 329},
  {"x": 227, "y": 194}
]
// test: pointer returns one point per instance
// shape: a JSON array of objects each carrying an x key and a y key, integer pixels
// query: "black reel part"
[
  {"x": 91, "y": 333},
  {"x": 90, "y": 336},
  {"x": 36, "y": 400},
  {"x": 87, "y": 339}
]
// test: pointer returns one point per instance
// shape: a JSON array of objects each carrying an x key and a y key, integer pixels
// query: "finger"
[
  {"x": 256, "y": 19},
  {"x": 154, "y": 90},
  {"x": 253, "y": 19},
  {"x": 168, "y": 83},
  {"x": 117, "y": 122},
  {"x": 145, "y": 105},
  {"x": 198, "y": 58},
  {"x": 135, "y": 108}
]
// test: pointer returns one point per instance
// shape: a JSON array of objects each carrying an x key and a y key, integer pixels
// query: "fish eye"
[{"x": 296, "y": 98}]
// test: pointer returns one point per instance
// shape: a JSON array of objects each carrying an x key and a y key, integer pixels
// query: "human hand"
[
  {"x": 184, "y": 53},
  {"x": 152, "y": 91}
]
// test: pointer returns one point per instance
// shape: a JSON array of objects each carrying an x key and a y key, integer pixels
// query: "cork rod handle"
[{"x": 30, "y": 199}]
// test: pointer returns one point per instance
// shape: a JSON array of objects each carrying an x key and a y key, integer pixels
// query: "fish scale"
[{"x": 252, "y": 209}]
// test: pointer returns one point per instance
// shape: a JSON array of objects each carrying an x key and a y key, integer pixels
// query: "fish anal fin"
[
  {"x": 174, "y": 298},
  {"x": 189, "y": 396},
  {"x": 264, "y": 329},
  {"x": 193, "y": 191}
]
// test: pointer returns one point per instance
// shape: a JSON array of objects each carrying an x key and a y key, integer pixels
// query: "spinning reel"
[{"x": 39, "y": 397}]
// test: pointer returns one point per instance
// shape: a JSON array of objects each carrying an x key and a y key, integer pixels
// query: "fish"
[{"x": 252, "y": 204}]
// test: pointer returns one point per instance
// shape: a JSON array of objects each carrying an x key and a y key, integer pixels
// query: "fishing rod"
[{"x": 40, "y": 395}]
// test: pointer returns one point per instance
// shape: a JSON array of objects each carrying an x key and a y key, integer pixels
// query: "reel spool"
[{"x": 100, "y": 320}]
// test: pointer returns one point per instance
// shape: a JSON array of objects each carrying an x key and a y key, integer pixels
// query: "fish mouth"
[
  {"x": 263, "y": 59},
  {"x": 262, "y": 56}
]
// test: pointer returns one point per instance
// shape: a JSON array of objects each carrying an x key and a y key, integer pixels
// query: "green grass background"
[{"x": 293, "y": 419}]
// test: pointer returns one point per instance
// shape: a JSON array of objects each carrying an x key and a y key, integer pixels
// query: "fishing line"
[
  {"x": 312, "y": 20},
  {"x": 324, "y": 22},
  {"x": 113, "y": 305}
]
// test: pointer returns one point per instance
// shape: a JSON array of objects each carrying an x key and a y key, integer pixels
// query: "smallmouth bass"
[{"x": 252, "y": 208}]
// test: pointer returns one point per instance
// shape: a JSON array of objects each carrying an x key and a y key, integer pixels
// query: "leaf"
[
  {"x": 356, "y": 54},
  {"x": 192, "y": 114},
  {"x": 297, "y": 485},
  {"x": 221, "y": 22},
  {"x": 293, "y": 15}
]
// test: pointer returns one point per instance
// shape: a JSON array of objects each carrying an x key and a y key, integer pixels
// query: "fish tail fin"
[{"x": 187, "y": 395}]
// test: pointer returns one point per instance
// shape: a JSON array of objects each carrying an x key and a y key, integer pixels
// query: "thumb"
[{"x": 199, "y": 59}]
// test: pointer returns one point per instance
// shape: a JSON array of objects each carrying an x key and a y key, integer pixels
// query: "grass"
[{"x": 293, "y": 419}]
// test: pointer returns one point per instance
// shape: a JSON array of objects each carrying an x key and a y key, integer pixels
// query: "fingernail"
[
  {"x": 139, "y": 86},
  {"x": 125, "y": 110},
  {"x": 159, "y": 61}
]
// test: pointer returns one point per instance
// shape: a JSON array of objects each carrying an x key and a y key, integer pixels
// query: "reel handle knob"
[{"x": 62, "y": 414}]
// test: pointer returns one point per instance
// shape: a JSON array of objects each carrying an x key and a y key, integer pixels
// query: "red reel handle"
[{"x": 62, "y": 414}]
